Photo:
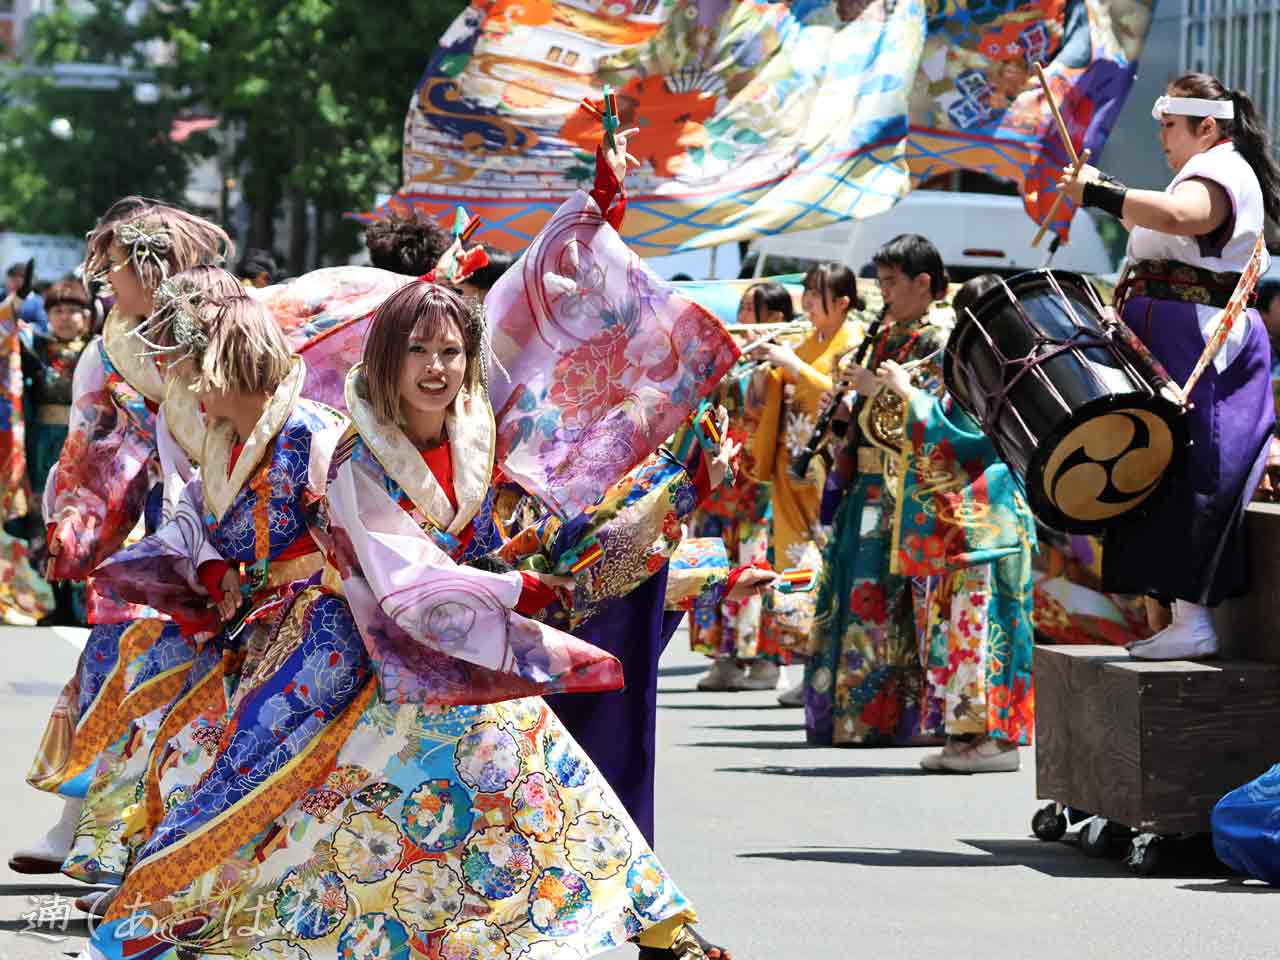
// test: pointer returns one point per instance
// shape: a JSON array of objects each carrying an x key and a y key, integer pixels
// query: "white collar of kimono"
[
  {"x": 184, "y": 419},
  {"x": 123, "y": 350},
  {"x": 219, "y": 488},
  {"x": 1193, "y": 107},
  {"x": 472, "y": 441}
]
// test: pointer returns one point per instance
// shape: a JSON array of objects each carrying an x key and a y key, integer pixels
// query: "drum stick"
[
  {"x": 1057, "y": 114},
  {"x": 1076, "y": 161},
  {"x": 1079, "y": 162}
]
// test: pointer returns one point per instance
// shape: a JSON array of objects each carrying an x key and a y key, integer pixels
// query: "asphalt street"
[{"x": 789, "y": 852}]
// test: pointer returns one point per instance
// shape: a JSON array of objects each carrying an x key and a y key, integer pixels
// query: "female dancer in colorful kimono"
[
  {"x": 379, "y": 784},
  {"x": 740, "y": 514},
  {"x": 963, "y": 533},
  {"x": 792, "y": 401},
  {"x": 134, "y": 662},
  {"x": 863, "y": 677},
  {"x": 1189, "y": 247}
]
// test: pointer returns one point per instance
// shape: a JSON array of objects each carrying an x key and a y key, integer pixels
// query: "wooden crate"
[
  {"x": 1150, "y": 745},
  {"x": 1246, "y": 625}
]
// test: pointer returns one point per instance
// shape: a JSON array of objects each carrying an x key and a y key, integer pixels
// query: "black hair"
[
  {"x": 17, "y": 270},
  {"x": 409, "y": 245},
  {"x": 1266, "y": 293},
  {"x": 256, "y": 262},
  {"x": 914, "y": 255},
  {"x": 1247, "y": 132},
  {"x": 832, "y": 280},
  {"x": 972, "y": 291},
  {"x": 767, "y": 296},
  {"x": 681, "y": 278},
  {"x": 499, "y": 262}
]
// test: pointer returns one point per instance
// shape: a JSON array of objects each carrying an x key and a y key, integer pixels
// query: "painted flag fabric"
[{"x": 758, "y": 117}]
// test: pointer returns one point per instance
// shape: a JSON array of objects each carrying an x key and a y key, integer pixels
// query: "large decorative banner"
[{"x": 758, "y": 117}]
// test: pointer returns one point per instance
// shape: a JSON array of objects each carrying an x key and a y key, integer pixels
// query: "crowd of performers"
[{"x": 351, "y": 694}]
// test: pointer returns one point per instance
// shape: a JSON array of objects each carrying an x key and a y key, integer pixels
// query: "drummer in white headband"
[{"x": 1188, "y": 248}]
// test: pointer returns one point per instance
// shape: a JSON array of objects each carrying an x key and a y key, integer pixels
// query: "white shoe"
[
  {"x": 1191, "y": 635},
  {"x": 724, "y": 675},
  {"x": 762, "y": 675},
  {"x": 987, "y": 756},
  {"x": 933, "y": 761},
  {"x": 792, "y": 696},
  {"x": 47, "y": 853}
]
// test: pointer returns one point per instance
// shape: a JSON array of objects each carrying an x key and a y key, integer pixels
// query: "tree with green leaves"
[
  {"x": 67, "y": 152},
  {"x": 315, "y": 92}
]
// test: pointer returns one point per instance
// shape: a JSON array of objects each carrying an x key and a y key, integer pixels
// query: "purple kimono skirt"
[{"x": 1188, "y": 544}]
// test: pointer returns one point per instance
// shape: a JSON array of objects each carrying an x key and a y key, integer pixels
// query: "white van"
[{"x": 974, "y": 232}]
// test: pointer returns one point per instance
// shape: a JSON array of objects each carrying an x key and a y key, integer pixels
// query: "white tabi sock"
[{"x": 1191, "y": 635}]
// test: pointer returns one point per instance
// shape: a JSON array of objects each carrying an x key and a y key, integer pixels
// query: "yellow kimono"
[{"x": 791, "y": 406}]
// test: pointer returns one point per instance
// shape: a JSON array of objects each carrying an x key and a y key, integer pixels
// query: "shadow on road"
[
  {"x": 829, "y": 772},
  {"x": 693, "y": 670},
  {"x": 751, "y": 744},
  {"x": 44, "y": 888},
  {"x": 741, "y": 705},
  {"x": 1231, "y": 886},
  {"x": 1051, "y": 859},
  {"x": 757, "y": 727}
]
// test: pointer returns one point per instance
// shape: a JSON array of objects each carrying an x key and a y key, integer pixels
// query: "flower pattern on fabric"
[
  {"x": 310, "y": 905},
  {"x": 429, "y": 896},
  {"x": 374, "y": 936},
  {"x": 488, "y": 758},
  {"x": 475, "y": 940},
  {"x": 606, "y": 933},
  {"x": 597, "y": 845},
  {"x": 569, "y": 766},
  {"x": 367, "y": 847},
  {"x": 497, "y": 863},
  {"x": 651, "y": 890},
  {"x": 560, "y": 902},
  {"x": 537, "y": 809},
  {"x": 437, "y": 815}
]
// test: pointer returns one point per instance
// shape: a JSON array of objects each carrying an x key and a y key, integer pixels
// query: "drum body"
[{"x": 1074, "y": 409}]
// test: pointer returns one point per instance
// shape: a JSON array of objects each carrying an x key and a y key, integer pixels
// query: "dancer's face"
[
  {"x": 1181, "y": 141},
  {"x": 67, "y": 321},
  {"x": 432, "y": 372},
  {"x": 132, "y": 298},
  {"x": 906, "y": 297}
]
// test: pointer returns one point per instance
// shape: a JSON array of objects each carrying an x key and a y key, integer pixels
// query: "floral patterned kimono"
[
  {"x": 389, "y": 780},
  {"x": 740, "y": 515},
  {"x": 964, "y": 533},
  {"x": 796, "y": 536},
  {"x": 135, "y": 661},
  {"x": 863, "y": 682}
]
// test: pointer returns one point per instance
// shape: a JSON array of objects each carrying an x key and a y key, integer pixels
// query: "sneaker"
[
  {"x": 724, "y": 675},
  {"x": 1190, "y": 636},
  {"x": 792, "y": 696},
  {"x": 762, "y": 675},
  {"x": 933, "y": 761},
  {"x": 47, "y": 853},
  {"x": 986, "y": 756}
]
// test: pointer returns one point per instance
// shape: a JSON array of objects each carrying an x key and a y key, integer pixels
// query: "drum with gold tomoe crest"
[{"x": 1073, "y": 402}]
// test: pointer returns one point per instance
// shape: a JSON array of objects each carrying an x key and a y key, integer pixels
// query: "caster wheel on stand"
[
  {"x": 1104, "y": 838},
  {"x": 1049, "y": 824},
  {"x": 1145, "y": 854}
]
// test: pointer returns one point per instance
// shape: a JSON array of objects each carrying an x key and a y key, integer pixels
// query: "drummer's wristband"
[{"x": 1107, "y": 195}]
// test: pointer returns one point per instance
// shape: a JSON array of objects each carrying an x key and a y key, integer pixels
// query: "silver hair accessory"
[
  {"x": 144, "y": 244},
  {"x": 476, "y": 317},
  {"x": 1193, "y": 107},
  {"x": 176, "y": 313}
]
